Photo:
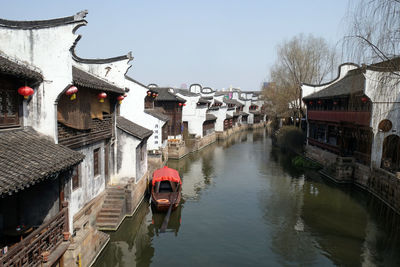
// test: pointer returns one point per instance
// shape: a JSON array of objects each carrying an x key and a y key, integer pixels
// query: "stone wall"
[
  {"x": 135, "y": 193},
  {"x": 86, "y": 241},
  {"x": 379, "y": 182}
]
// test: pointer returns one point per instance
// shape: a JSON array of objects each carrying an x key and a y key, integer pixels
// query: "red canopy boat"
[{"x": 166, "y": 189}]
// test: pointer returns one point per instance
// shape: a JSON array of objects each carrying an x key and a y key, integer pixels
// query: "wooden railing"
[
  {"x": 45, "y": 238},
  {"x": 357, "y": 117},
  {"x": 326, "y": 146}
]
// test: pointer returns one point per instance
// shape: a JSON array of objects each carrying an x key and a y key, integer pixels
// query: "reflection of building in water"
[{"x": 190, "y": 167}]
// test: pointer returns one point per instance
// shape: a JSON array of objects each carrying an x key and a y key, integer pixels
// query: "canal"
[{"x": 244, "y": 204}]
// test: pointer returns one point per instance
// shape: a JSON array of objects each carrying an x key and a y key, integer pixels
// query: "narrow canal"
[{"x": 244, "y": 204}]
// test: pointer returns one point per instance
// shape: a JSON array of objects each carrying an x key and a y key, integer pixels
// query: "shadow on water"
[{"x": 349, "y": 226}]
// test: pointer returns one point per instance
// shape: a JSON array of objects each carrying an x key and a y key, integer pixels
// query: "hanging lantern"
[
  {"x": 310, "y": 102},
  {"x": 364, "y": 99},
  {"x": 120, "y": 98},
  {"x": 148, "y": 93},
  {"x": 72, "y": 92},
  {"x": 101, "y": 97},
  {"x": 154, "y": 94},
  {"x": 180, "y": 104},
  {"x": 335, "y": 102},
  {"x": 25, "y": 91},
  {"x": 184, "y": 105},
  {"x": 319, "y": 102}
]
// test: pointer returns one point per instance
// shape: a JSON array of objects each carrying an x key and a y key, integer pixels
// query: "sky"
[{"x": 174, "y": 42}]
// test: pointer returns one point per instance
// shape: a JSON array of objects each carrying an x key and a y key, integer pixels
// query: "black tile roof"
[
  {"x": 202, "y": 100},
  {"x": 85, "y": 79},
  {"x": 185, "y": 92},
  {"x": 210, "y": 117},
  {"x": 233, "y": 101},
  {"x": 133, "y": 128},
  {"x": 219, "y": 93},
  {"x": 217, "y": 101},
  {"x": 213, "y": 108},
  {"x": 165, "y": 94},
  {"x": 353, "y": 82},
  {"x": 135, "y": 81},
  {"x": 207, "y": 97},
  {"x": 156, "y": 113},
  {"x": 228, "y": 116},
  {"x": 37, "y": 24},
  {"x": 27, "y": 158},
  {"x": 10, "y": 67}
]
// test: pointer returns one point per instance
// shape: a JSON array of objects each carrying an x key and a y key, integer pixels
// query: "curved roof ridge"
[
  {"x": 100, "y": 60},
  {"x": 38, "y": 24},
  {"x": 336, "y": 79}
]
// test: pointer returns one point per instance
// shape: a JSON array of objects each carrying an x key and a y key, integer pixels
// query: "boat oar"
[{"x": 166, "y": 219}]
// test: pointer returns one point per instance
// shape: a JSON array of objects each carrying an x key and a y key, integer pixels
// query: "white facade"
[
  {"x": 385, "y": 97},
  {"x": 194, "y": 115},
  {"x": 48, "y": 49}
]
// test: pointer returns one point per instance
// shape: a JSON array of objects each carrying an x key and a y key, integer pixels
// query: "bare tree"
[
  {"x": 374, "y": 31},
  {"x": 299, "y": 60}
]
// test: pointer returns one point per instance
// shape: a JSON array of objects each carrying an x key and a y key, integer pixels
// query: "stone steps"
[{"x": 111, "y": 213}]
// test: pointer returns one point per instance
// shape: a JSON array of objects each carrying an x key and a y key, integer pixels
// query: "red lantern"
[
  {"x": 120, "y": 98},
  {"x": 310, "y": 102},
  {"x": 335, "y": 102},
  {"x": 101, "y": 96},
  {"x": 319, "y": 102},
  {"x": 148, "y": 93},
  {"x": 364, "y": 99},
  {"x": 72, "y": 92},
  {"x": 154, "y": 94},
  {"x": 25, "y": 91},
  {"x": 184, "y": 105},
  {"x": 180, "y": 104}
]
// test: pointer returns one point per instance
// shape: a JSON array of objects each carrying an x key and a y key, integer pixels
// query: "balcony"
[
  {"x": 47, "y": 238},
  {"x": 356, "y": 117}
]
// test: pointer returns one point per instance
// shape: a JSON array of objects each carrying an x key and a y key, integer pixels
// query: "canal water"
[{"x": 245, "y": 204}]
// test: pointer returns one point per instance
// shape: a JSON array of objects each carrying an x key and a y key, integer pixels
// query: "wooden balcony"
[
  {"x": 48, "y": 237},
  {"x": 356, "y": 117}
]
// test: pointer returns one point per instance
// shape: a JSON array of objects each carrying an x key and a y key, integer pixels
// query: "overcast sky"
[{"x": 211, "y": 42}]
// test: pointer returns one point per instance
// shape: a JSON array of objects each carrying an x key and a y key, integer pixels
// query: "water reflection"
[{"x": 243, "y": 203}]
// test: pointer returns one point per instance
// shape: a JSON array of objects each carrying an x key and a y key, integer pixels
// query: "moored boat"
[{"x": 166, "y": 189}]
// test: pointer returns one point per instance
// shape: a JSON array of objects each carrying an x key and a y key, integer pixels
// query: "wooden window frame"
[{"x": 96, "y": 162}]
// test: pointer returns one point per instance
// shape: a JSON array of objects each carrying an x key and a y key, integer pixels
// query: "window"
[
  {"x": 156, "y": 126},
  {"x": 156, "y": 137},
  {"x": 9, "y": 107},
  {"x": 156, "y": 142},
  {"x": 156, "y": 131},
  {"x": 75, "y": 178},
  {"x": 96, "y": 165}
]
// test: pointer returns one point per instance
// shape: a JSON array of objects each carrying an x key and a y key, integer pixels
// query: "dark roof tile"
[
  {"x": 27, "y": 157},
  {"x": 133, "y": 128},
  {"x": 20, "y": 70},
  {"x": 157, "y": 114},
  {"x": 210, "y": 117},
  {"x": 88, "y": 80},
  {"x": 353, "y": 82}
]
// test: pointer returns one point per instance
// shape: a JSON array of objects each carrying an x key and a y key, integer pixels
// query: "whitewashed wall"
[
  {"x": 194, "y": 115},
  {"x": 47, "y": 49},
  {"x": 126, "y": 156},
  {"x": 384, "y": 96},
  {"x": 90, "y": 186}
]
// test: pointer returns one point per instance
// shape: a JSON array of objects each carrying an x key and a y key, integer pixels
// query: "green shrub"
[
  {"x": 301, "y": 162},
  {"x": 290, "y": 138}
]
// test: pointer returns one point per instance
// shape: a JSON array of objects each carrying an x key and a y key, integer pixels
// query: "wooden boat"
[{"x": 166, "y": 187}]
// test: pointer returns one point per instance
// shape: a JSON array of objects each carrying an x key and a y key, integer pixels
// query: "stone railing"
[{"x": 45, "y": 239}]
